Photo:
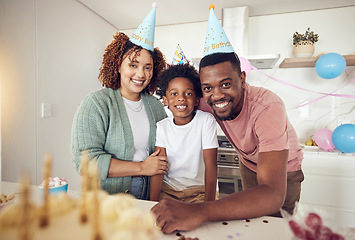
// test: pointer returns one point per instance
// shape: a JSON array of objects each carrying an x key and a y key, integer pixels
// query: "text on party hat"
[{"x": 216, "y": 46}]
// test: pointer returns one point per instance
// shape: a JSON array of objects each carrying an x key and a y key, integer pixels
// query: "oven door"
[{"x": 228, "y": 169}]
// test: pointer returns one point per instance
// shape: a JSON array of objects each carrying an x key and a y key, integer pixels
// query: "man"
[{"x": 255, "y": 122}]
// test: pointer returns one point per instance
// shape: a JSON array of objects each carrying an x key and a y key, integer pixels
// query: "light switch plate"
[{"x": 46, "y": 110}]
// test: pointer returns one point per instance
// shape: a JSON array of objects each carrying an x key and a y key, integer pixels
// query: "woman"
[{"x": 117, "y": 123}]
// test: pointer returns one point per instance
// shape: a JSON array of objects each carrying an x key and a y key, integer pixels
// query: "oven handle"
[{"x": 229, "y": 166}]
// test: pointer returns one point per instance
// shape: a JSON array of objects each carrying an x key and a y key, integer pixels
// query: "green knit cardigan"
[{"x": 102, "y": 127}]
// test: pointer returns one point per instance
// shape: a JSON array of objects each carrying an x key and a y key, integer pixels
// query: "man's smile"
[{"x": 220, "y": 105}]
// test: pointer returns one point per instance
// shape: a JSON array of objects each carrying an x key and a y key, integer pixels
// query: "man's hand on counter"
[{"x": 172, "y": 215}]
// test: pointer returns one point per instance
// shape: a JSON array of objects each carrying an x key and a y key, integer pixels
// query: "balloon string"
[{"x": 295, "y": 86}]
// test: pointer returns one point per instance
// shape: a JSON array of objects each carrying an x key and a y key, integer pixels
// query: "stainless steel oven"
[{"x": 228, "y": 166}]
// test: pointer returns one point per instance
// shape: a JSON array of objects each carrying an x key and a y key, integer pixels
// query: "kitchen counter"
[
  {"x": 318, "y": 150},
  {"x": 259, "y": 228},
  {"x": 329, "y": 184}
]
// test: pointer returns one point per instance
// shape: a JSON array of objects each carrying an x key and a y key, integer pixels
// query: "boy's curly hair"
[
  {"x": 175, "y": 71},
  {"x": 113, "y": 57}
]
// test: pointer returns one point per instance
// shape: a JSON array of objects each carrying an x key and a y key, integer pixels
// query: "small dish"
[
  {"x": 309, "y": 147},
  {"x": 56, "y": 185},
  {"x": 55, "y": 190},
  {"x": 6, "y": 204}
]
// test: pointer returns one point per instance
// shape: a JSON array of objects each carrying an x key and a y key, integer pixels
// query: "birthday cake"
[
  {"x": 119, "y": 218},
  {"x": 95, "y": 215}
]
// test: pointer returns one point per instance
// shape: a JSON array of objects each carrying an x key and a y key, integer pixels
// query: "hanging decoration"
[
  {"x": 317, "y": 99},
  {"x": 330, "y": 65},
  {"x": 307, "y": 90},
  {"x": 245, "y": 65}
]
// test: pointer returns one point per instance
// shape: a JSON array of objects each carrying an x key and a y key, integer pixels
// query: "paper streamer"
[
  {"x": 317, "y": 99},
  {"x": 314, "y": 100},
  {"x": 295, "y": 86}
]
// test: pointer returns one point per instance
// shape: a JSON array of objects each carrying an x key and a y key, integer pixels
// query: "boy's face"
[{"x": 181, "y": 100}]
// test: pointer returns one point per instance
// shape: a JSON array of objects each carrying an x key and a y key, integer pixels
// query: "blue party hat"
[
  {"x": 216, "y": 39},
  {"x": 179, "y": 56},
  {"x": 144, "y": 35}
]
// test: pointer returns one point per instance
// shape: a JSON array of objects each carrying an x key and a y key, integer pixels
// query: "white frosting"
[{"x": 120, "y": 218}]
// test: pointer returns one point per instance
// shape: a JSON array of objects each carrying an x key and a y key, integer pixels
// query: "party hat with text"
[
  {"x": 216, "y": 39},
  {"x": 179, "y": 56},
  {"x": 144, "y": 35}
]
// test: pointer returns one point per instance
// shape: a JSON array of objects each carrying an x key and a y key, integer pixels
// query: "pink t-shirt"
[{"x": 261, "y": 126}]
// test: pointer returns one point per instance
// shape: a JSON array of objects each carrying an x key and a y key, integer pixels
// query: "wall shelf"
[{"x": 311, "y": 62}]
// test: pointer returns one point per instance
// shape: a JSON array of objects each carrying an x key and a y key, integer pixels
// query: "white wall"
[
  {"x": 70, "y": 42},
  {"x": 18, "y": 88},
  {"x": 51, "y": 52}
]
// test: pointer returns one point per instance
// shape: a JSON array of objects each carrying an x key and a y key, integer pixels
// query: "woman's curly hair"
[
  {"x": 114, "y": 55},
  {"x": 179, "y": 71}
]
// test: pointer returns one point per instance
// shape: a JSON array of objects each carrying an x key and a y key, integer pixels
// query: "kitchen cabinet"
[
  {"x": 329, "y": 185},
  {"x": 311, "y": 62}
]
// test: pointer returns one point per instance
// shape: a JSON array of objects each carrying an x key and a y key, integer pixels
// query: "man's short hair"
[{"x": 216, "y": 58}]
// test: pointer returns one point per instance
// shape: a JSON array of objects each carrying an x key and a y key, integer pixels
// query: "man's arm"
[
  {"x": 210, "y": 159},
  {"x": 156, "y": 181},
  {"x": 264, "y": 199}
]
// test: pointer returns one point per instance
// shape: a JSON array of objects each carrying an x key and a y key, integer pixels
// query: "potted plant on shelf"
[{"x": 303, "y": 43}]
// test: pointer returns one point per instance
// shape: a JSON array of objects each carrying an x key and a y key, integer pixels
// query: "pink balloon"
[
  {"x": 245, "y": 65},
  {"x": 323, "y": 138}
]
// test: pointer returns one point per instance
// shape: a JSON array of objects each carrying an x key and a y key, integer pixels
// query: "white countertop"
[
  {"x": 259, "y": 228},
  {"x": 318, "y": 150}
]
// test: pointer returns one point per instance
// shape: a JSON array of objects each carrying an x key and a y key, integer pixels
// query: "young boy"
[{"x": 188, "y": 138}]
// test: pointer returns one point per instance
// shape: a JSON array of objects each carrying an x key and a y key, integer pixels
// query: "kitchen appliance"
[
  {"x": 228, "y": 166},
  {"x": 235, "y": 22}
]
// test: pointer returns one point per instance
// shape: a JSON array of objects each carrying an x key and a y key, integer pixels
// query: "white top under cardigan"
[{"x": 140, "y": 128}]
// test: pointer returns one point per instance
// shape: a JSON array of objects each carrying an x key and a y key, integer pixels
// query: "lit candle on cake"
[
  {"x": 96, "y": 209},
  {"x": 84, "y": 187},
  {"x": 44, "y": 211},
  {"x": 24, "y": 226}
]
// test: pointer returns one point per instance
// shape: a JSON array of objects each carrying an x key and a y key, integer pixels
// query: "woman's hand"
[{"x": 155, "y": 164}]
